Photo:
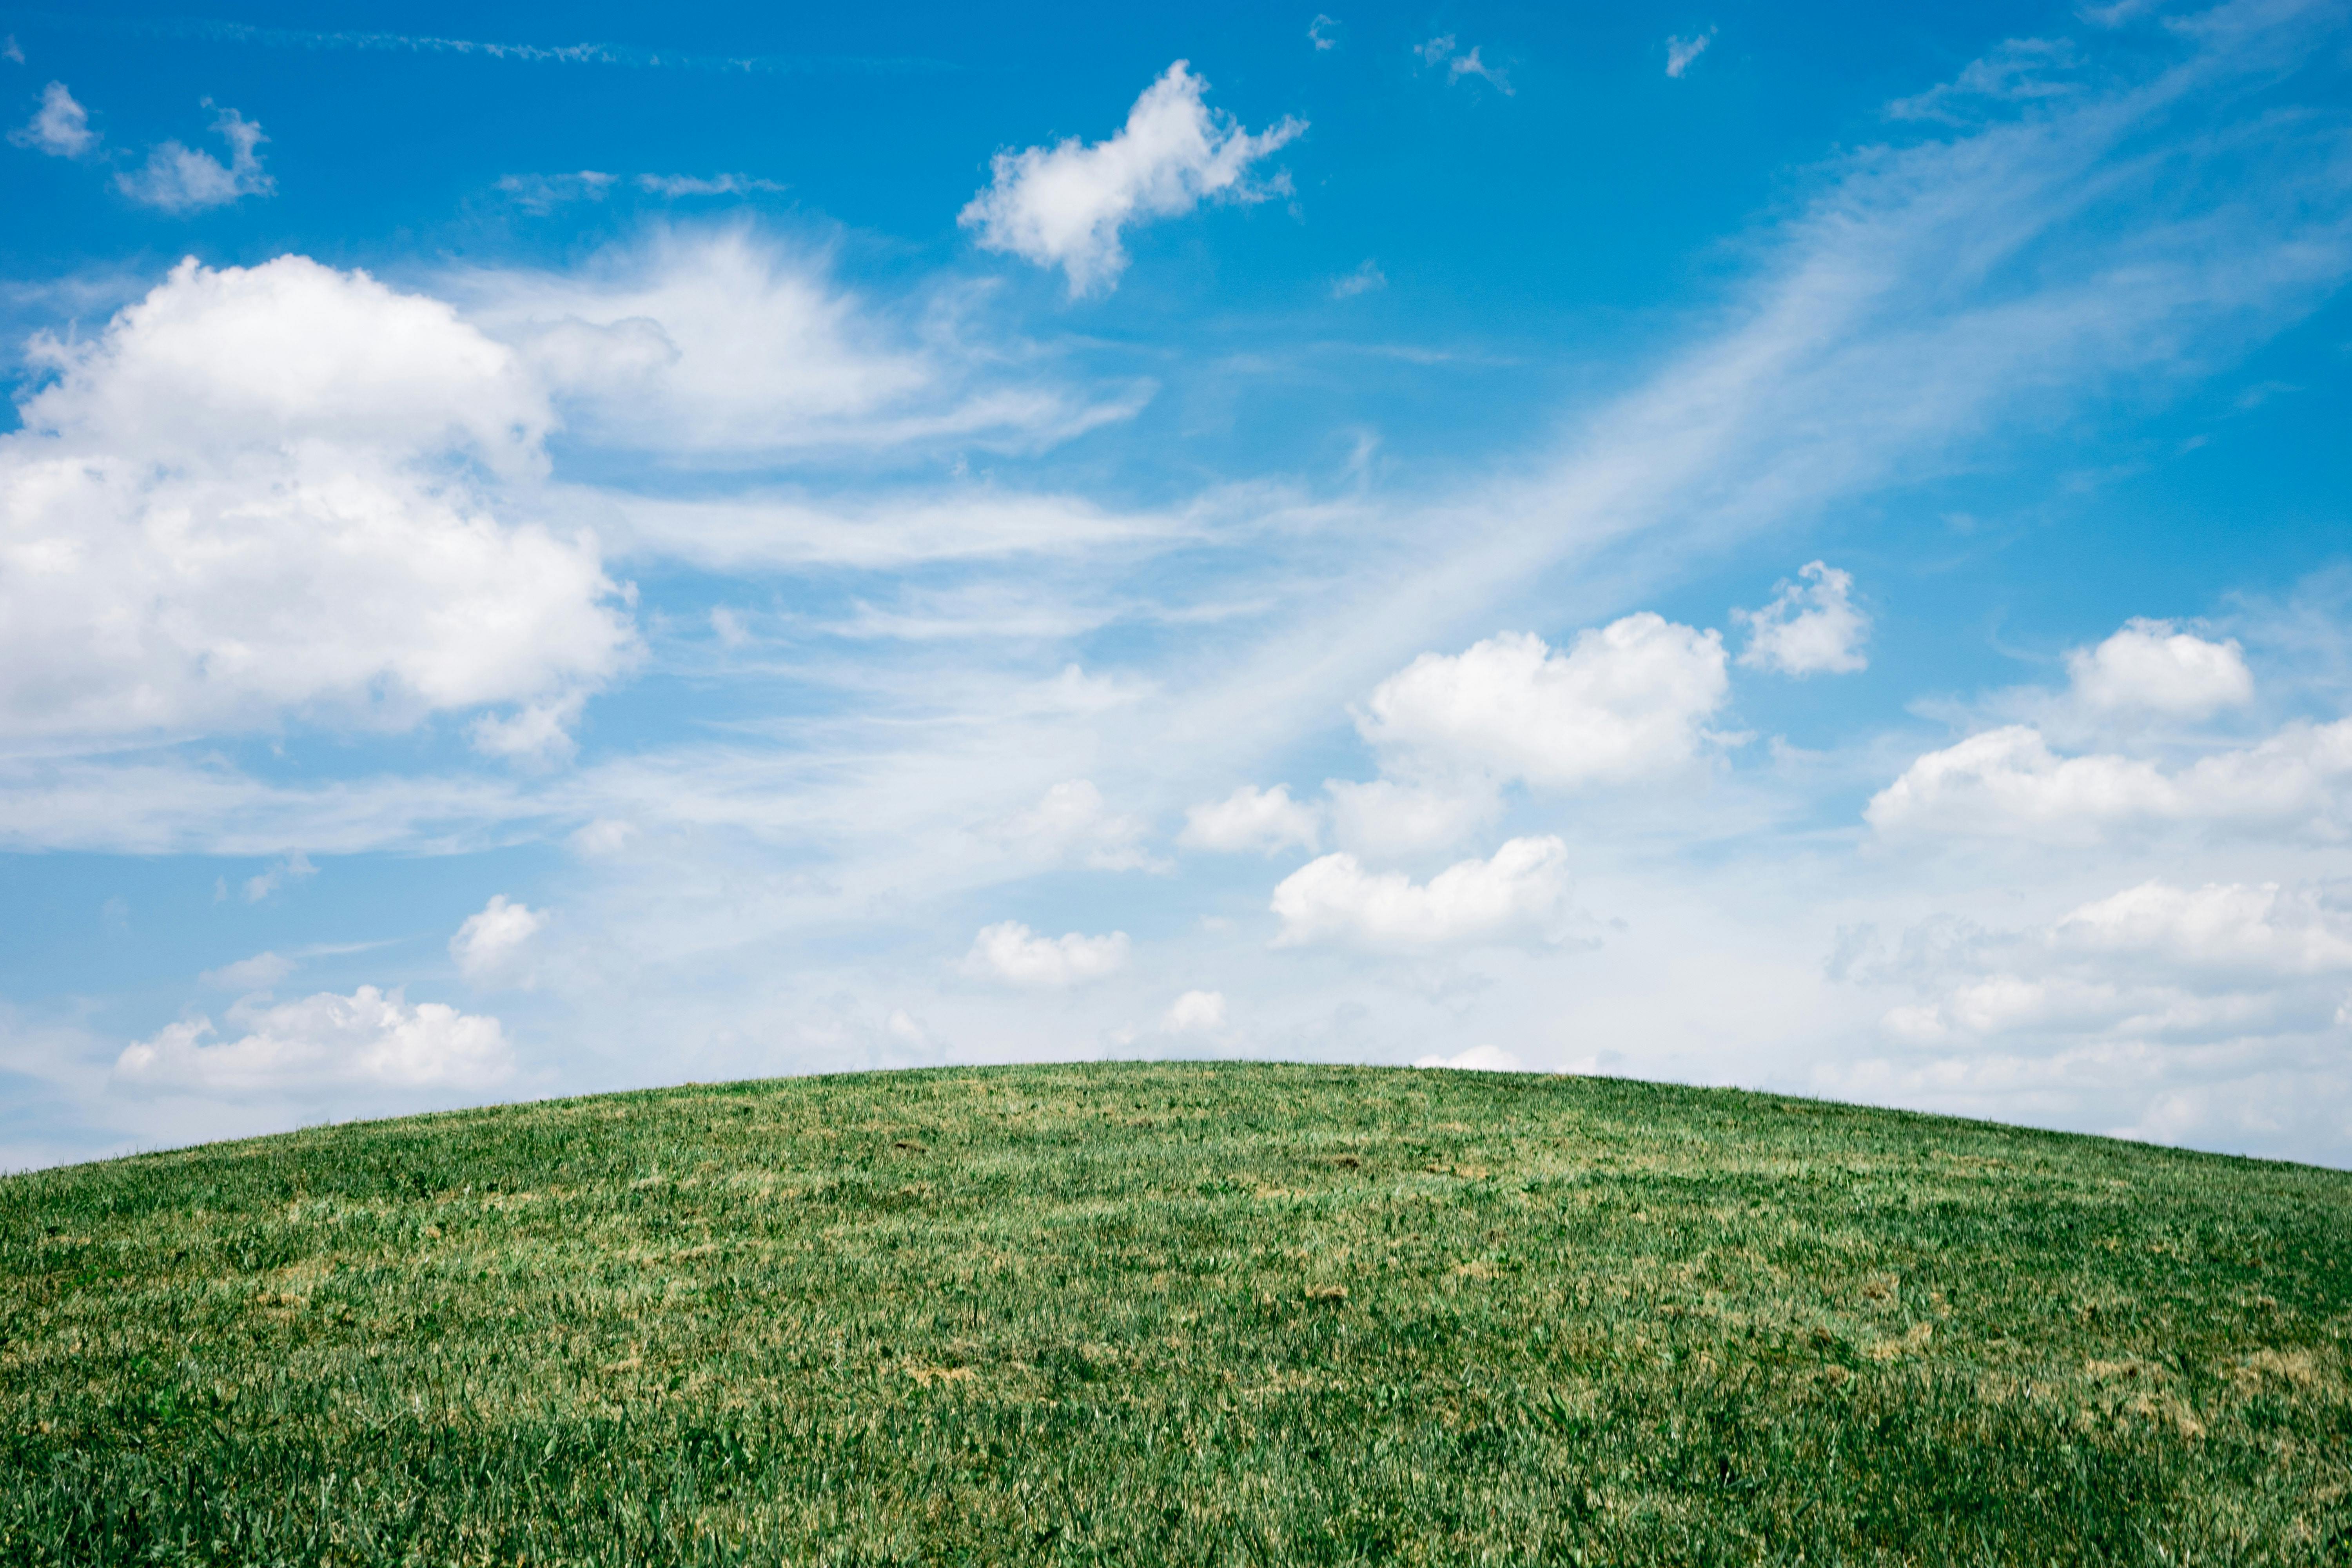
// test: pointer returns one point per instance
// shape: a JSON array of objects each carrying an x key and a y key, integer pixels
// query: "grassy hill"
[{"x": 1176, "y": 1313}]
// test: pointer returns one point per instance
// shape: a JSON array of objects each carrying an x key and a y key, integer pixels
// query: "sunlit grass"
[{"x": 1179, "y": 1313}]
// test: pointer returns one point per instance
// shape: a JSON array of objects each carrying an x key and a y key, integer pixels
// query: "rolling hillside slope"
[{"x": 1176, "y": 1313}]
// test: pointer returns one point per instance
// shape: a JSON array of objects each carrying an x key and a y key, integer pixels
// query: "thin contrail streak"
[{"x": 623, "y": 55}]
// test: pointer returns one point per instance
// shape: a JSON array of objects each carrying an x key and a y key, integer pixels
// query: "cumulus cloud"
[
  {"x": 249, "y": 498},
  {"x": 2009, "y": 782},
  {"x": 1680, "y": 52},
  {"x": 1196, "y": 1012},
  {"x": 490, "y": 947},
  {"x": 1514, "y": 894},
  {"x": 1071, "y": 821},
  {"x": 1253, "y": 819},
  {"x": 1625, "y": 702},
  {"x": 1012, "y": 952},
  {"x": 1322, "y": 32},
  {"x": 1065, "y": 206},
  {"x": 2150, "y": 667},
  {"x": 1810, "y": 627},
  {"x": 60, "y": 127},
  {"x": 1478, "y": 1058},
  {"x": 371, "y": 1039},
  {"x": 179, "y": 179}
]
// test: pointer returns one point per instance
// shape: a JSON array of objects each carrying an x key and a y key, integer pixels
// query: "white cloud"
[
  {"x": 2155, "y": 965},
  {"x": 2019, "y": 70},
  {"x": 60, "y": 127},
  {"x": 2228, "y": 930},
  {"x": 294, "y": 868},
  {"x": 259, "y": 973},
  {"x": 1810, "y": 627},
  {"x": 9, "y": 51},
  {"x": 489, "y": 946},
  {"x": 604, "y": 836},
  {"x": 2213, "y": 1014},
  {"x": 371, "y": 1039},
  {"x": 2149, "y": 667},
  {"x": 1478, "y": 1058},
  {"x": 1196, "y": 1012},
  {"x": 1320, "y": 32},
  {"x": 1013, "y": 953},
  {"x": 1065, "y": 206},
  {"x": 1623, "y": 702},
  {"x": 1071, "y": 821},
  {"x": 719, "y": 347},
  {"x": 542, "y": 194},
  {"x": 1365, "y": 279},
  {"x": 1442, "y": 50},
  {"x": 1680, "y": 52},
  {"x": 178, "y": 179},
  {"x": 1514, "y": 894},
  {"x": 2007, "y": 783},
  {"x": 676, "y": 185},
  {"x": 245, "y": 500},
  {"x": 1253, "y": 819}
]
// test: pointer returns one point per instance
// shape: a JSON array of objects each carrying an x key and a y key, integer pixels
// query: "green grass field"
[{"x": 1176, "y": 1313}]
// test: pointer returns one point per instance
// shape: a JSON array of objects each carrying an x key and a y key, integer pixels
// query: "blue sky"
[{"x": 543, "y": 552}]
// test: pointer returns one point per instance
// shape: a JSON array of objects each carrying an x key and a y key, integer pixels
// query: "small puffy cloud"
[
  {"x": 1065, "y": 206},
  {"x": 1012, "y": 952},
  {"x": 1323, "y": 32},
  {"x": 2007, "y": 783},
  {"x": 1334, "y": 899},
  {"x": 1196, "y": 1012},
  {"x": 538, "y": 733},
  {"x": 9, "y": 51},
  {"x": 1366, "y": 278},
  {"x": 1071, "y": 821},
  {"x": 1680, "y": 52},
  {"x": 1253, "y": 819},
  {"x": 255, "y": 495},
  {"x": 60, "y": 127},
  {"x": 489, "y": 947},
  {"x": 293, "y": 869},
  {"x": 259, "y": 973},
  {"x": 2150, "y": 667},
  {"x": 1625, "y": 702},
  {"x": 178, "y": 179},
  {"x": 371, "y": 1039},
  {"x": 1810, "y": 627},
  {"x": 1478, "y": 1058}
]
